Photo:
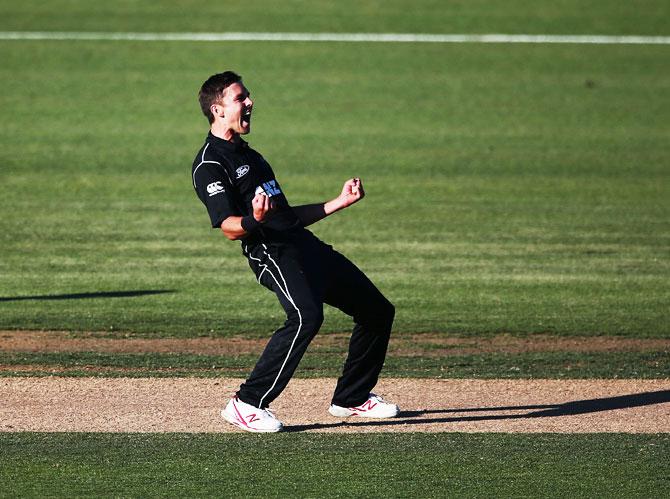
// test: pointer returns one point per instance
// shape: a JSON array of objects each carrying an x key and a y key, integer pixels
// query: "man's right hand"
[{"x": 263, "y": 207}]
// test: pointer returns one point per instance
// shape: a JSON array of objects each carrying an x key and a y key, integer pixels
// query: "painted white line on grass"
[{"x": 336, "y": 37}]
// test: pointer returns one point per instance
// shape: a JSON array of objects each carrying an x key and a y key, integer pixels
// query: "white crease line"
[{"x": 336, "y": 37}]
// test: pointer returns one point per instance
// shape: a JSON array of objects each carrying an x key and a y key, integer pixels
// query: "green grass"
[
  {"x": 559, "y": 365},
  {"x": 422, "y": 16},
  {"x": 381, "y": 465},
  {"x": 511, "y": 188}
]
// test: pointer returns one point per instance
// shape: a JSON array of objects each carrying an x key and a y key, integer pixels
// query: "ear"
[{"x": 217, "y": 110}]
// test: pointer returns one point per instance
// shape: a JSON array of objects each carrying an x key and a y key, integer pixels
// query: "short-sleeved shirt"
[{"x": 227, "y": 176}]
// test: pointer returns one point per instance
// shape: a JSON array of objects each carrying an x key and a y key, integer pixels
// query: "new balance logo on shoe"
[
  {"x": 373, "y": 407},
  {"x": 367, "y": 405},
  {"x": 250, "y": 418}
]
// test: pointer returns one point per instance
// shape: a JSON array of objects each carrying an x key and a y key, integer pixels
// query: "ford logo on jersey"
[
  {"x": 269, "y": 188},
  {"x": 242, "y": 171}
]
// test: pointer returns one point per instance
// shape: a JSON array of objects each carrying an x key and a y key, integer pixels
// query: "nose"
[{"x": 248, "y": 102}]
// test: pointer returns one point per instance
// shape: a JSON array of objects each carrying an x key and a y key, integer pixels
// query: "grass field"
[
  {"x": 425, "y": 16},
  {"x": 510, "y": 188},
  {"x": 442, "y": 465},
  {"x": 552, "y": 365}
]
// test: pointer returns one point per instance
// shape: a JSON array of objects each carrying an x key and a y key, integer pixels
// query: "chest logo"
[
  {"x": 214, "y": 188},
  {"x": 269, "y": 188},
  {"x": 242, "y": 171}
]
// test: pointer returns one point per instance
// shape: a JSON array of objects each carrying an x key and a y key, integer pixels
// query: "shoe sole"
[
  {"x": 234, "y": 422},
  {"x": 342, "y": 412}
]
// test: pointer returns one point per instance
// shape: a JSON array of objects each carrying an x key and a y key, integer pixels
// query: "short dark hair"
[{"x": 212, "y": 91}]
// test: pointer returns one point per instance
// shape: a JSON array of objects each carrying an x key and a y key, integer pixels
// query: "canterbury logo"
[
  {"x": 242, "y": 171},
  {"x": 214, "y": 188}
]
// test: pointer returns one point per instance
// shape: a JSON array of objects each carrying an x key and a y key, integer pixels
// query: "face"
[{"x": 234, "y": 110}]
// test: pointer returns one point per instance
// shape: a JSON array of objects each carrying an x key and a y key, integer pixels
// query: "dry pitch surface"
[
  {"x": 192, "y": 404},
  {"x": 55, "y": 404}
]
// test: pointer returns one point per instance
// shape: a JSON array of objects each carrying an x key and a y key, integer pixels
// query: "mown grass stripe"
[
  {"x": 550, "y": 365},
  {"x": 298, "y": 465},
  {"x": 337, "y": 37}
]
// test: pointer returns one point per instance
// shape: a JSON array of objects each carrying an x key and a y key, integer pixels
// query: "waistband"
[{"x": 298, "y": 237}]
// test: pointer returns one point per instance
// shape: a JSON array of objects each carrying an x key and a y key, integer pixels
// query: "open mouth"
[{"x": 246, "y": 118}]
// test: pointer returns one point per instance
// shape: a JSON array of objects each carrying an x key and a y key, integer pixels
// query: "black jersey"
[{"x": 227, "y": 176}]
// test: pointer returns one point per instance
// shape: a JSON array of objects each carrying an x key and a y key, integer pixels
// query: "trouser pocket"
[{"x": 262, "y": 260}]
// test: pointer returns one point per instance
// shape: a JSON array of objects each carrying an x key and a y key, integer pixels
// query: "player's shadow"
[
  {"x": 536, "y": 411},
  {"x": 82, "y": 296}
]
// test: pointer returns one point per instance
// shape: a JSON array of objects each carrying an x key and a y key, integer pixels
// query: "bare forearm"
[
  {"x": 235, "y": 227},
  {"x": 232, "y": 228}
]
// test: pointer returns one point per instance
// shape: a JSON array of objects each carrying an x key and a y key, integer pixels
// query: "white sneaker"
[
  {"x": 250, "y": 418},
  {"x": 373, "y": 407}
]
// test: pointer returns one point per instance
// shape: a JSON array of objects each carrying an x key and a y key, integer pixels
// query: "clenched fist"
[
  {"x": 352, "y": 192},
  {"x": 263, "y": 207}
]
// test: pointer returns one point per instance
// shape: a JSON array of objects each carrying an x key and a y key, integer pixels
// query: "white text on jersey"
[{"x": 215, "y": 188}]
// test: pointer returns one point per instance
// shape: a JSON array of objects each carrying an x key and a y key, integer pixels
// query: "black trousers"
[{"x": 305, "y": 273}]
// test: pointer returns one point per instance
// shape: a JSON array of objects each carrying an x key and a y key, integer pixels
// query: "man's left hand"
[{"x": 352, "y": 192}]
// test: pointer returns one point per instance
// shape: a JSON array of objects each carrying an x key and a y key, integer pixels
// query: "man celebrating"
[{"x": 244, "y": 200}]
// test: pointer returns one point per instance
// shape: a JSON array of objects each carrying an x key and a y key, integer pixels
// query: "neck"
[{"x": 225, "y": 133}]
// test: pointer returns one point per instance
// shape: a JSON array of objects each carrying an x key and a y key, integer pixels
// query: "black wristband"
[{"x": 249, "y": 223}]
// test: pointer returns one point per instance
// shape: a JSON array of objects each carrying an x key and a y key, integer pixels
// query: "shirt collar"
[{"x": 226, "y": 144}]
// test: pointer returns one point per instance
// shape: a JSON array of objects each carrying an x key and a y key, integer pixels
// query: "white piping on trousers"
[
  {"x": 265, "y": 267},
  {"x": 290, "y": 299}
]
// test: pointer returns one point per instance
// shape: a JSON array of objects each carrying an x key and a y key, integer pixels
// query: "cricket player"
[{"x": 246, "y": 202}]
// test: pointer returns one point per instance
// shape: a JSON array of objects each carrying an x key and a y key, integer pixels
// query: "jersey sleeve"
[{"x": 215, "y": 190}]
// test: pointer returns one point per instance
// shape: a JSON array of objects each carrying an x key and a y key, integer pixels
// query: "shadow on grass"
[
  {"x": 82, "y": 296},
  {"x": 538, "y": 411}
]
